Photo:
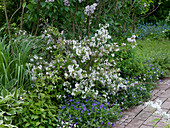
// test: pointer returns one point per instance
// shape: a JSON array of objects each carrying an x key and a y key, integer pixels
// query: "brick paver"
[{"x": 143, "y": 116}]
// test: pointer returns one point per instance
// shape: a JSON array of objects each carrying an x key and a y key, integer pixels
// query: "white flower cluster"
[
  {"x": 157, "y": 106},
  {"x": 89, "y": 51},
  {"x": 90, "y": 9},
  {"x": 66, "y": 3},
  {"x": 132, "y": 40}
]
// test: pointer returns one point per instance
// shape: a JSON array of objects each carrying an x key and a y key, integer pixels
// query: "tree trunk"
[
  {"x": 22, "y": 16},
  {"x": 6, "y": 15}
]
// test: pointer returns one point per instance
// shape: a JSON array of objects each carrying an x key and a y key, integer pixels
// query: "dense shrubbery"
[
  {"x": 80, "y": 76},
  {"x": 54, "y": 78}
]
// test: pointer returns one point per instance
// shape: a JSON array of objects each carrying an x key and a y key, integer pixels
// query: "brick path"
[{"x": 143, "y": 116}]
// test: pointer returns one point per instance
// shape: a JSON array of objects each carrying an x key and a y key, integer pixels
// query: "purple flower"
[
  {"x": 108, "y": 124},
  {"x": 112, "y": 124},
  {"x": 71, "y": 100},
  {"x": 83, "y": 105},
  {"x": 94, "y": 104},
  {"x": 77, "y": 102},
  {"x": 81, "y": 111},
  {"x": 88, "y": 113},
  {"x": 84, "y": 108},
  {"x": 63, "y": 107},
  {"x": 101, "y": 123},
  {"x": 101, "y": 106}
]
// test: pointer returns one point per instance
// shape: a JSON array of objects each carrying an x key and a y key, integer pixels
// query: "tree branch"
[{"x": 16, "y": 11}]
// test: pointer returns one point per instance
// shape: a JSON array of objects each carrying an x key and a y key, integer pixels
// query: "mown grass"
[{"x": 157, "y": 52}]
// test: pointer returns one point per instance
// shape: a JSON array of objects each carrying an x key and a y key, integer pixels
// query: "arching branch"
[{"x": 16, "y": 11}]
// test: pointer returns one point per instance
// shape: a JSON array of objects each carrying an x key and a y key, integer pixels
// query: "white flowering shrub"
[{"x": 84, "y": 67}]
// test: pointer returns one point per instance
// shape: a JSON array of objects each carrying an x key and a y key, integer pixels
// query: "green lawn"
[{"x": 156, "y": 51}]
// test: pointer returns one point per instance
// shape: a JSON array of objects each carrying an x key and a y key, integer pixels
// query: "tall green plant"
[{"x": 13, "y": 68}]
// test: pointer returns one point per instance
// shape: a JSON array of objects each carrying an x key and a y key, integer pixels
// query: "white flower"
[
  {"x": 144, "y": 5},
  {"x": 66, "y": 3},
  {"x": 40, "y": 67},
  {"x": 77, "y": 85},
  {"x": 123, "y": 44},
  {"x": 133, "y": 46},
  {"x": 35, "y": 57},
  {"x": 113, "y": 55},
  {"x": 49, "y": 1},
  {"x": 31, "y": 60},
  {"x": 80, "y": 1},
  {"x": 133, "y": 37},
  {"x": 93, "y": 38},
  {"x": 66, "y": 75},
  {"x": 70, "y": 68},
  {"x": 117, "y": 49},
  {"x": 129, "y": 40}
]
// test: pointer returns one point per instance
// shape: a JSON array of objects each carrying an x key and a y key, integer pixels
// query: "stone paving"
[{"x": 142, "y": 116}]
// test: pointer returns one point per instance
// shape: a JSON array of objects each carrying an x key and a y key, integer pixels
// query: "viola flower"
[
  {"x": 108, "y": 124},
  {"x": 63, "y": 107}
]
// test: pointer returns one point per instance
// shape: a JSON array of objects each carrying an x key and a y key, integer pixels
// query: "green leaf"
[
  {"x": 1, "y": 121},
  {"x": 155, "y": 120},
  {"x": 38, "y": 123},
  {"x": 34, "y": 117},
  {"x": 30, "y": 7},
  {"x": 41, "y": 127},
  {"x": 27, "y": 124},
  {"x": 4, "y": 92},
  {"x": 43, "y": 4},
  {"x": 11, "y": 112},
  {"x": 24, "y": 4}
]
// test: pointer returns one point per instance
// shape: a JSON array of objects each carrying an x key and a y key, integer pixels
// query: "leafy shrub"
[
  {"x": 135, "y": 67},
  {"x": 38, "y": 111}
]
